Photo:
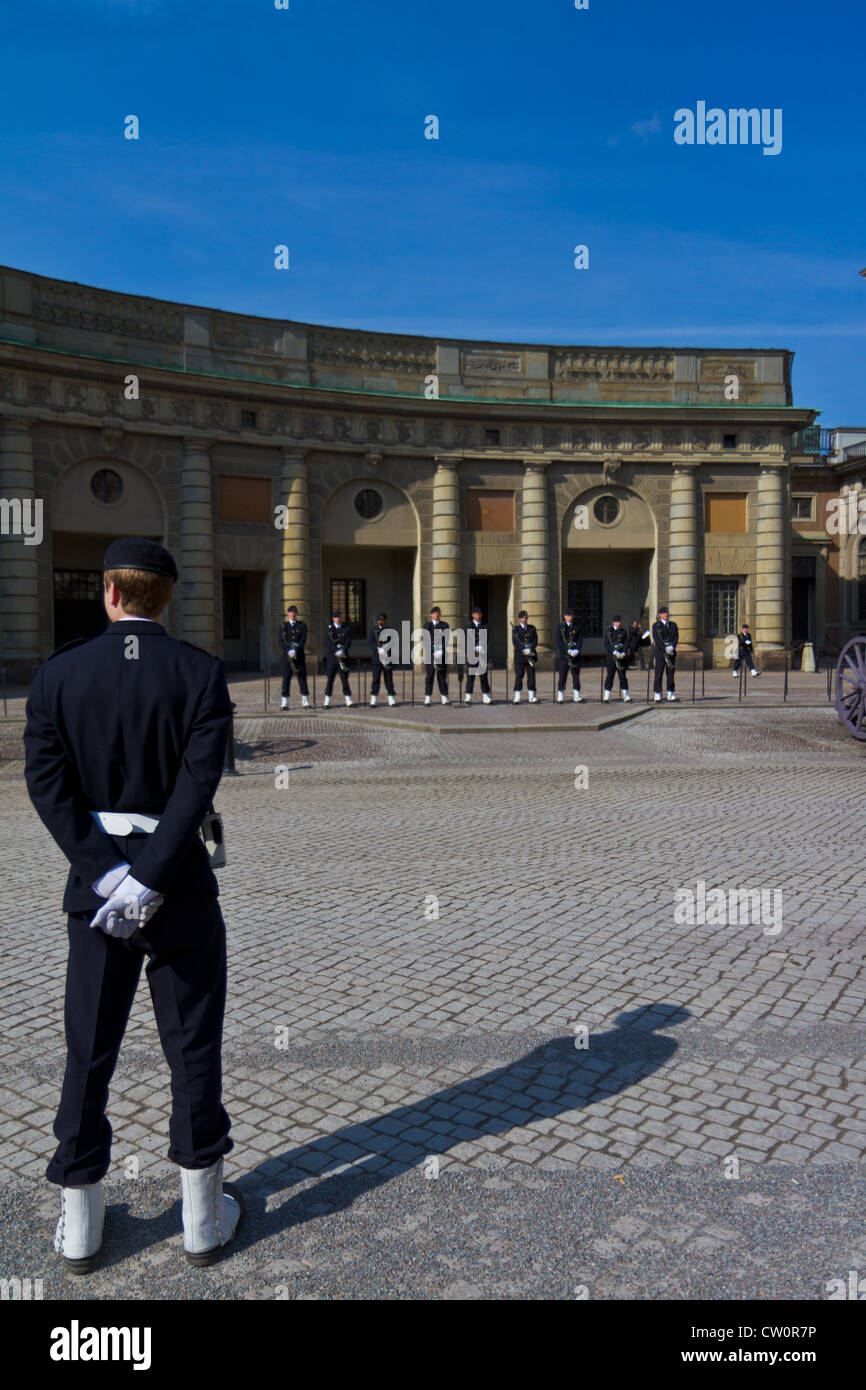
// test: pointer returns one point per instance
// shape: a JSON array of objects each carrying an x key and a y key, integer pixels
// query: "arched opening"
[
  {"x": 95, "y": 501},
  {"x": 370, "y": 555},
  {"x": 608, "y": 560}
]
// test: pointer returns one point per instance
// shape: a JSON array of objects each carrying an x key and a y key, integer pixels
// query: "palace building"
[{"x": 289, "y": 462}]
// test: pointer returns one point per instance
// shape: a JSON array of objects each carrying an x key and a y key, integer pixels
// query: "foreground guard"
[
  {"x": 437, "y": 666},
  {"x": 293, "y": 640},
  {"x": 524, "y": 638},
  {"x": 338, "y": 639},
  {"x": 476, "y": 657},
  {"x": 746, "y": 651},
  {"x": 666, "y": 635},
  {"x": 124, "y": 746},
  {"x": 569, "y": 641},
  {"x": 378, "y": 640},
  {"x": 616, "y": 644}
]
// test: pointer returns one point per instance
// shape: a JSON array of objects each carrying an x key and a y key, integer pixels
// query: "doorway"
[
  {"x": 489, "y": 592},
  {"x": 802, "y": 598}
]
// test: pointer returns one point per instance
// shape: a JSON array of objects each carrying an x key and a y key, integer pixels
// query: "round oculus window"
[
  {"x": 106, "y": 485},
  {"x": 606, "y": 510},
  {"x": 369, "y": 504}
]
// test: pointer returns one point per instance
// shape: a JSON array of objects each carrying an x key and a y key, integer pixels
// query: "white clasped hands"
[{"x": 131, "y": 905}]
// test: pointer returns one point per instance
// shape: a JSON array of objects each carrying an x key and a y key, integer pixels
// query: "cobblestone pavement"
[{"x": 414, "y": 1110}]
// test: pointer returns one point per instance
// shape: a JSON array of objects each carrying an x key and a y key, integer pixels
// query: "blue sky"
[{"x": 306, "y": 127}]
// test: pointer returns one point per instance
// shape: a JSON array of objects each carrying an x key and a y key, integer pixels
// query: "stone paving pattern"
[{"x": 371, "y": 1043}]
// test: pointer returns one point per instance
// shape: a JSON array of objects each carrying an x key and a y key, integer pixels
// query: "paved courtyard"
[{"x": 472, "y": 1048}]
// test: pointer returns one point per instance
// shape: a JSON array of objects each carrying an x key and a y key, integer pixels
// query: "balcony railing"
[
  {"x": 812, "y": 440},
  {"x": 855, "y": 451}
]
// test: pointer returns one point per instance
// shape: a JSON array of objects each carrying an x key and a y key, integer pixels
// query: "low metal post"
[{"x": 785, "y": 691}]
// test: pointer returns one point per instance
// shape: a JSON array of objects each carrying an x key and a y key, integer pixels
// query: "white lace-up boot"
[
  {"x": 78, "y": 1237},
  {"x": 210, "y": 1214}
]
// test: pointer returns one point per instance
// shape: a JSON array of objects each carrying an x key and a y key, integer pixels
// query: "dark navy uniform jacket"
[
  {"x": 568, "y": 635},
  {"x": 616, "y": 638},
  {"x": 109, "y": 732},
  {"x": 337, "y": 637},
  {"x": 293, "y": 635},
  {"x": 524, "y": 637},
  {"x": 664, "y": 633}
]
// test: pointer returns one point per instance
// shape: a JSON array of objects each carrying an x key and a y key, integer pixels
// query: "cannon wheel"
[{"x": 851, "y": 687}]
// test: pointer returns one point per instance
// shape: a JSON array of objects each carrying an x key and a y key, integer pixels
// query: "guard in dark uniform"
[
  {"x": 616, "y": 645},
  {"x": 745, "y": 651},
  {"x": 638, "y": 639},
  {"x": 380, "y": 640},
  {"x": 338, "y": 640},
  {"x": 524, "y": 639},
  {"x": 125, "y": 739},
  {"x": 569, "y": 643},
  {"x": 293, "y": 640},
  {"x": 666, "y": 635},
  {"x": 477, "y": 635},
  {"x": 437, "y": 666}
]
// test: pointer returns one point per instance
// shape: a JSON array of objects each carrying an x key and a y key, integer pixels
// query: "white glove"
[
  {"x": 572, "y": 651},
  {"x": 106, "y": 885},
  {"x": 527, "y": 651},
  {"x": 292, "y": 652},
  {"x": 438, "y": 655},
  {"x": 341, "y": 651},
  {"x": 129, "y": 907},
  {"x": 669, "y": 648}
]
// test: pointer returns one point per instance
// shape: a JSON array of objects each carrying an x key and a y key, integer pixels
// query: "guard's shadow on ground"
[{"x": 554, "y": 1078}]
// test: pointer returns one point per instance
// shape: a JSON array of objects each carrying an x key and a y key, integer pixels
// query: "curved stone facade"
[{"x": 285, "y": 462}]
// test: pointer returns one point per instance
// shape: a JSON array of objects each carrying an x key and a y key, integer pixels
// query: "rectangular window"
[
  {"x": 78, "y": 586},
  {"x": 803, "y": 566},
  {"x": 232, "y": 590},
  {"x": 729, "y": 441},
  {"x": 248, "y": 419},
  {"x": 726, "y": 512},
  {"x": 723, "y": 597},
  {"x": 803, "y": 507},
  {"x": 489, "y": 510},
  {"x": 584, "y": 596},
  {"x": 245, "y": 499},
  {"x": 350, "y": 597}
]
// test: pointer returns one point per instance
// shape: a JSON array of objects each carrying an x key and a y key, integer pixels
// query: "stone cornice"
[{"x": 43, "y": 314}]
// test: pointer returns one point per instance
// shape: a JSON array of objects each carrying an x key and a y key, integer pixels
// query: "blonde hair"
[{"x": 142, "y": 593}]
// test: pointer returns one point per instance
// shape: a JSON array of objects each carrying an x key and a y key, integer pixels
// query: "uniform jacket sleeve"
[
  {"x": 56, "y": 793},
  {"x": 194, "y": 788},
  {"x": 284, "y": 641}
]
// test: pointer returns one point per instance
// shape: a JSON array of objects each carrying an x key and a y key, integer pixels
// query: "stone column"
[
  {"x": 447, "y": 567},
  {"x": 295, "y": 497},
  {"x": 770, "y": 565},
  {"x": 682, "y": 595},
  {"x": 535, "y": 559},
  {"x": 198, "y": 597},
  {"x": 23, "y": 520}
]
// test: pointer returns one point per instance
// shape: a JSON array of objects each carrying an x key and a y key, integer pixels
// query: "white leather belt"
[{"x": 125, "y": 822}]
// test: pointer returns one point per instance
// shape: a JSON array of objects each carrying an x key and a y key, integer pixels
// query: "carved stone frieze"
[
  {"x": 370, "y": 353},
  {"x": 77, "y": 306},
  {"x": 598, "y": 365}
]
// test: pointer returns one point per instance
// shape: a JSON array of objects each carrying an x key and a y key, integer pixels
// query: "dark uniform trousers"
[
  {"x": 332, "y": 671},
  {"x": 299, "y": 668},
  {"x": 378, "y": 672},
  {"x": 185, "y": 948}
]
